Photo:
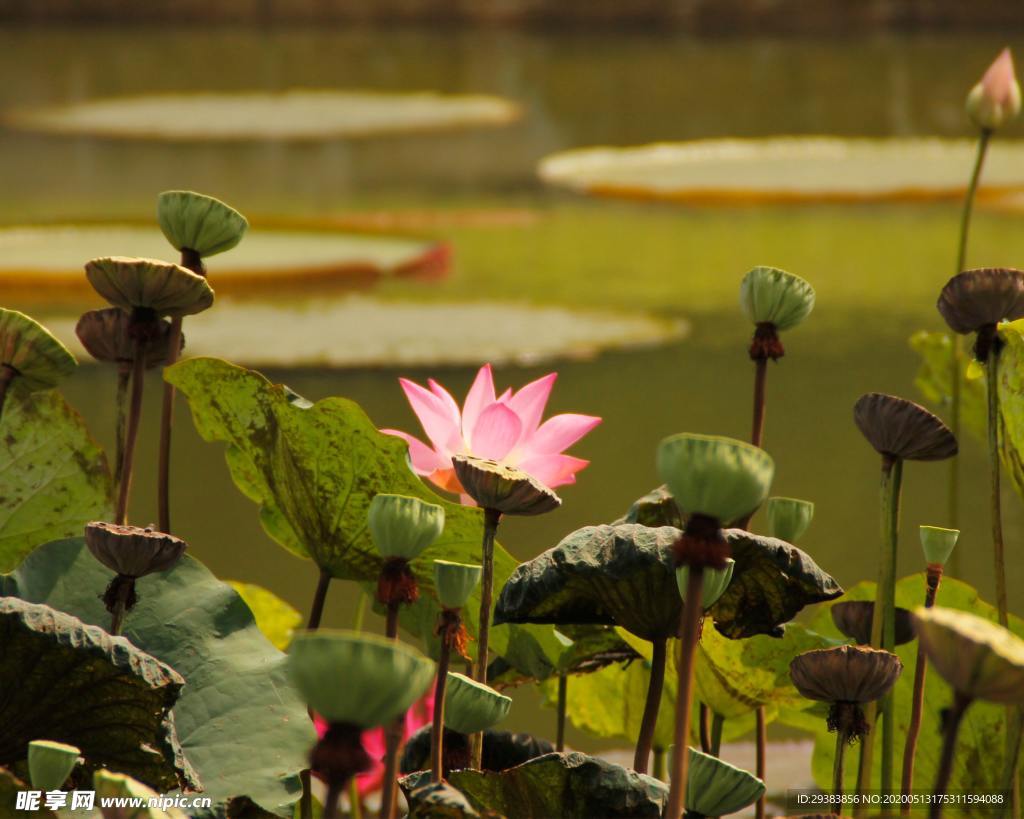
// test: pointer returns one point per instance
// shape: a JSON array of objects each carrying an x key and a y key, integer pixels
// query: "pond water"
[{"x": 878, "y": 269}]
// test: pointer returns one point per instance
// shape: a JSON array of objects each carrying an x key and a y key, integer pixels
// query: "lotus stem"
[
  {"x": 838, "y": 769},
  {"x": 355, "y": 801},
  {"x": 649, "y": 721},
  {"x": 717, "y": 724},
  {"x": 762, "y": 753},
  {"x": 993, "y": 459},
  {"x": 491, "y": 519},
  {"x": 1010, "y": 780},
  {"x": 392, "y": 735},
  {"x": 760, "y": 379},
  {"x": 705, "y": 728},
  {"x": 124, "y": 375},
  {"x": 124, "y": 592},
  {"x": 331, "y": 802},
  {"x": 563, "y": 690},
  {"x": 315, "y": 615},
  {"x": 437, "y": 730},
  {"x": 166, "y": 419},
  {"x": 7, "y": 375},
  {"x": 934, "y": 577},
  {"x": 689, "y": 631},
  {"x": 132, "y": 432},
  {"x": 953, "y": 718},
  {"x": 659, "y": 763}
]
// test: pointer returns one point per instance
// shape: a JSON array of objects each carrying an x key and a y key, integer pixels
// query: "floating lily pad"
[
  {"x": 74, "y": 683},
  {"x": 293, "y": 115},
  {"x": 43, "y": 263},
  {"x": 786, "y": 169},
  {"x": 569, "y": 785}
]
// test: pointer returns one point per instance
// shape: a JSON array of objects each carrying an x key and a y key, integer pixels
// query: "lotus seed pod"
[
  {"x": 148, "y": 284},
  {"x": 192, "y": 221},
  {"x": 132, "y": 551},
  {"x": 455, "y": 582},
  {"x": 470, "y": 706},
  {"x": 898, "y": 428},
  {"x": 110, "y": 785},
  {"x": 714, "y": 582},
  {"x": 31, "y": 354},
  {"x": 978, "y": 658},
  {"x": 718, "y": 477},
  {"x": 106, "y": 337},
  {"x": 382, "y": 678},
  {"x": 846, "y": 674},
  {"x": 938, "y": 543},
  {"x": 503, "y": 488},
  {"x": 716, "y": 788},
  {"x": 50, "y": 763},
  {"x": 772, "y": 296},
  {"x": 402, "y": 526},
  {"x": 788, "y": 518},
  {"x": 853, "y": 618},
  {"x": 995, "y": 100},
  {"x": 975, "y": 301}
]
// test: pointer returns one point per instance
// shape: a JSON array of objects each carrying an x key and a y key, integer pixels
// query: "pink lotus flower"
[
  {"x": 504, "y": 428},
  {"x": 996, "y": 99}
]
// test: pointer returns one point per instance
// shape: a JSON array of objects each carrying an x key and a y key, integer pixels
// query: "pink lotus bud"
[{"x": 996, "y": 99}]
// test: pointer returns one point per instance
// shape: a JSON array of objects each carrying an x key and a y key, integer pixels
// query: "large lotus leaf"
[
  {"x": 656, "y": 508},
  {"x": 239, "y": 719},
  {"x": 275, "y": 618},
  {"x": 53, "y": 477},
  {"x": 608, "y": 575},
  {"x": 502, "y": 750},
  {"x": 314, "y": 468},
  {"x": 568, "y": 785},
  {"x": 771, "y": 582},
  {"x": 439, "y": 800},
  {"x": 588, "y": 649},
  {"x": 66, "y": 681},
  {"x": 980, "y": 746}
]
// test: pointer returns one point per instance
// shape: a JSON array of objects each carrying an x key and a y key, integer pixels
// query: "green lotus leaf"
[
  {"x": 110, "y": 785},
  {"x": 75, "y": 684},
  {"x": 530, "y": 659},
  {"x": 9, "y": 787},
  {"x": 314, "y": 468},
  {"x": 938, "y": 543},
  {"x": 978, "y": 764},
  {"x": 719, "y": 477},
  {"x": 788, "y": 518},
  {"x": 606, "y": 575},
  {"x": 716, "y": 788},
  {"x": 402, "y": 526},
  {"x": 470, "y": 706},
  {"x": 192, "y": 221},
  {"x": 502, "y": 750},
  {"x": 656, "y": 508},
  {"x": 715, "y": 582},
  {"x": 771, "y": 582},
  {"x": 167, "y": 289},
  {"x": 275, "y": 618},
  {"x": 772, "y": 296},
  {"x": 237, "y": 692},
  {"x": 39, "y": 361},
  {"x": 439, "y": 800},
  {"x": 504, "y": 488},
  {"x": 455, "y": 582},
  {"x": 50, "y": 763},
  {"x": 568, "y": 785},
  {"x": 54, "y": 478}
]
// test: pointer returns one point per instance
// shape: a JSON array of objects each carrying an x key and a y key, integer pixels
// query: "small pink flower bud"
[{"x": 996, "y": 99}]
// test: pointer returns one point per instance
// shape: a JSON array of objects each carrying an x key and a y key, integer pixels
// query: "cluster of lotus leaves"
[
  {"x": 193, "y": 221},
  {"x": 719, "y": 477},
  {"x": 789, "y": 518},
  {"x": 854, "y": 619},
  {"x": 383, "y": 678},
  {"x": 503, "y": 488},
  {"x": 716, "y": 788},
  {"x": 39, "y": 359},
  {"x": 772, "y": 296},
  {"x": 403, "y": 526},
  {"x": 898, "y": 428},
  {"x": 131, "y": 551},
  {"x": 104, "y": 334},
  {"x": 166, "y": 289},
  {"x": 50, "y": 763},
  {"x": 983, "y": 297},
  {"x": 978, "y": 658},
  {"x": 848, "y": 674},
  {"x": 455, "y": 582},
  {"x": 471, "y": 706},
  {"x": 714, "y": 582},
  {"x": 938, "y": 543}
]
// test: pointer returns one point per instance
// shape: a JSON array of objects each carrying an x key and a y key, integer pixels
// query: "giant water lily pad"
[
  {"x": 569, "y": 785},
  {"x": 237, "y": 693},
  {"x": 63, "y": 680},
  {"x": 43, "y": 263},
  {"x": 298, "y": 114},
  {"x": 53, "y": 477},
  {"x": 786, "y": 169}
]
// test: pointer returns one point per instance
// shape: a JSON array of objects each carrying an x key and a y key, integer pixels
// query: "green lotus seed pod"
[
  {"x": 714, "y": 582},
  {"x": 938, "y": 543},
  {"x": 50, "y": 763},
  {"x": 110, "y": 785},
  {"x": 38, "y": 360},
  {"x": 716, "y": 788},
  {"x": 719, "y": 477},
  {"x": 470, "y": 706},
  {"x": 166, "y": 289},
  {"x": 192, "y": 221},
  {"x": 503, "y": 488},
  {"x": 455, "y": 582},
  {"x": 402, "y": 526},
  {"x": 772, "y": 296},
  {"x": 355, "y": 678},
  {"x": 978, "y": 658},
  {"x": 788, "y": 518}
]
